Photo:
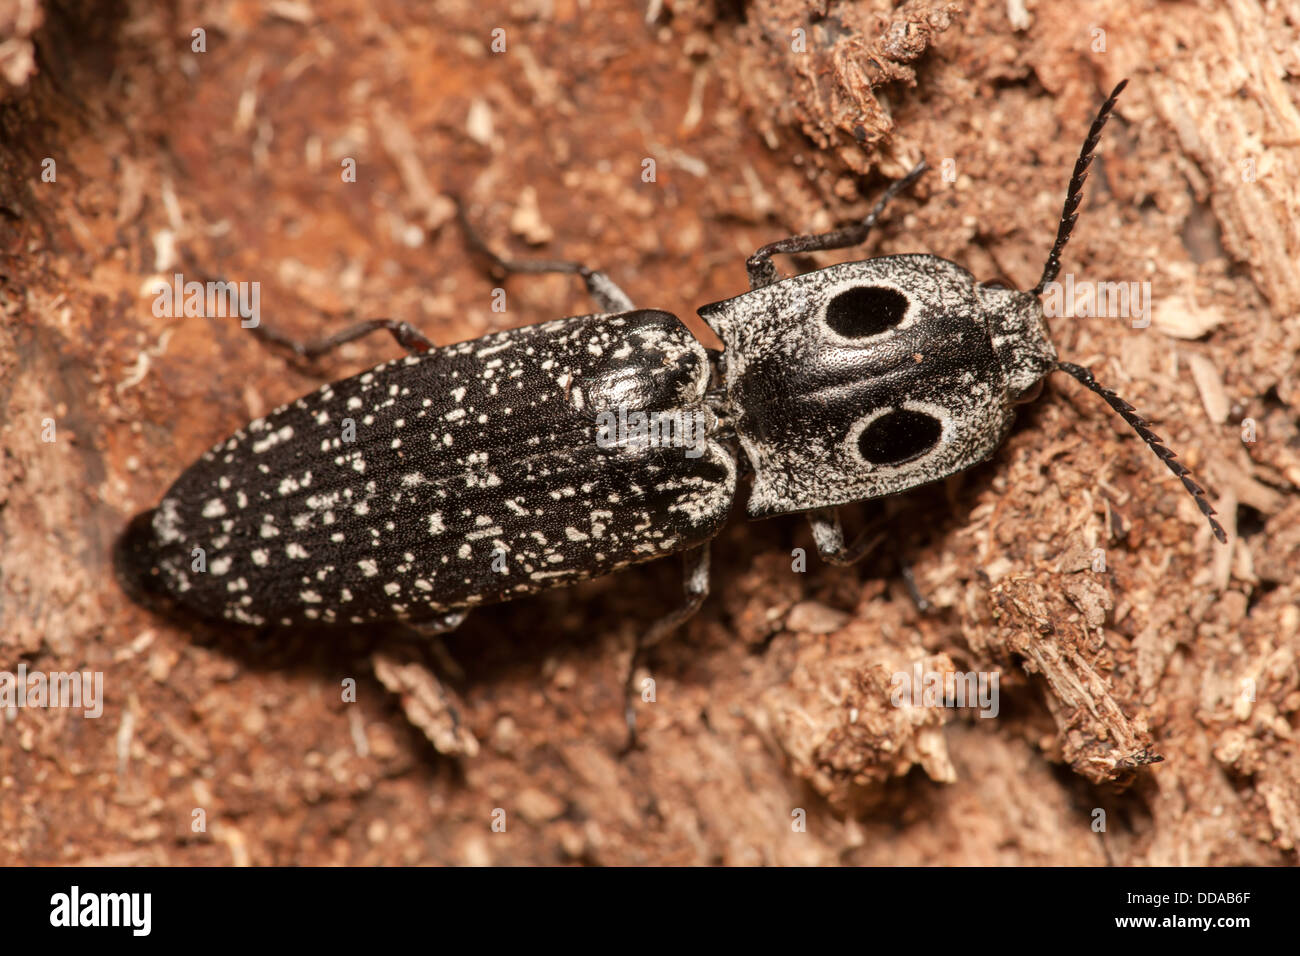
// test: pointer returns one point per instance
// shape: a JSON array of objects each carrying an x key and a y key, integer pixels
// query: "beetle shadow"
[
  {"x": 333, "y": 655},
  {"x": 498, "y": 646}
]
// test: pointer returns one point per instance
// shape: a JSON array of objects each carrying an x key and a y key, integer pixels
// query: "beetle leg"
[
  {"x": 828, "y": 534},
  {"x": 604, "y": 290},
  {"x": 407, "y": 336},
  {"x": 761, "y": 270},
  {"x": 695, "y": 588},
  {"x": 439, "y": 625}
]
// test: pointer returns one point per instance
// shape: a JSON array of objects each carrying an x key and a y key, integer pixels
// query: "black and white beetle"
[{"x": 476, "y": 474}]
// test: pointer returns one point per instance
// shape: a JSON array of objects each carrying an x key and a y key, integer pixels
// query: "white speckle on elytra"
[
  {"x": 319, "y": 502},
  {"x": 368, "y": 567},
  {"x": 435, "y": 523},
  {"x": 294, "y": 550},
  {"x": 215, "y": 508},
  {"x": 392, "y": 589},
  {"x": 259, "y": 556},
  {"x": 220, "y": 565},
  {"x": 271, "y": 440}
]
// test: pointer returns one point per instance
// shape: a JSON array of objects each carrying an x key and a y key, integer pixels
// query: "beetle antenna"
[
  {"x": 1070, "y": 212},
  {"x": 1142, "y": 427}
]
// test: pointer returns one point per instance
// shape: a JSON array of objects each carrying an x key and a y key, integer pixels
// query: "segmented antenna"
[
  {"x": 1142, "y": 427},
  {"x": 1069, "y": 213}
]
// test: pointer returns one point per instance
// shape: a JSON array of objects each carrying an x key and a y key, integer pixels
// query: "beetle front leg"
[
  {"x": 761, "y": 270},
  {"x": 695, "y": 588},
  {"x": 828, "y": 534}
]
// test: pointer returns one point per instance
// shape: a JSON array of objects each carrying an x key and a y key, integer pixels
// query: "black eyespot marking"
[
  {"x": 899, "y": 436},
  {"x": 865, "y": 310}
]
